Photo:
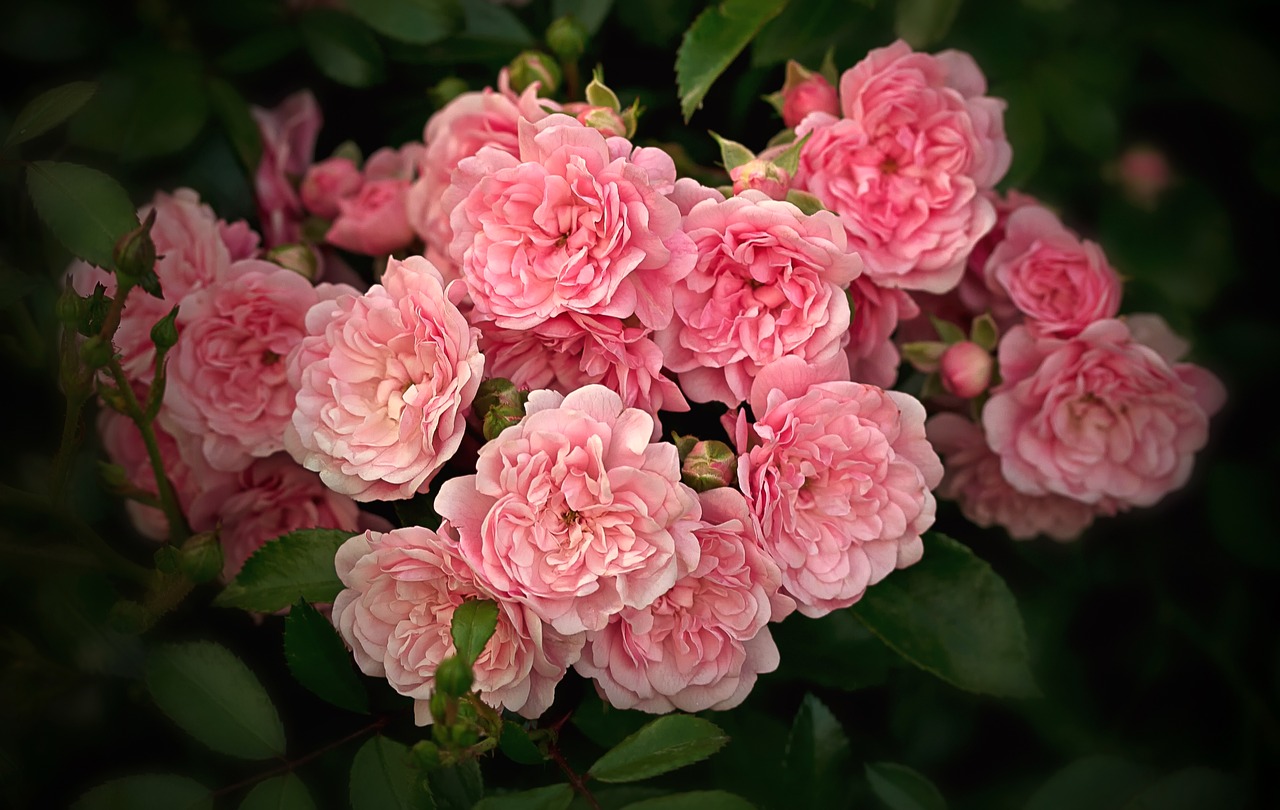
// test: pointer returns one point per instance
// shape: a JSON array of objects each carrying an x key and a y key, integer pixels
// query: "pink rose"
[
  {"x": 905, "y": 166},
  {"x": 1144, "y": 175},
  {"x": 767, "y": 284},
  {"x": 394, "y": 164},
  {"x": 763, "y": 176},
  {"x": 813, "y": 93},
  {"x": 574, "y": 224},
  {"x": 402, "y": 588},
  {"x": 701, "y": 645},
  {"x": 373, "y": 221},
  {"x": 965, "y": 369},
  {"x": 974, "y": 481},
  {"x": 573, "y": 512},
  {"x": 1093, "y": 417},
  {"x": 227, "y": 382},
  {"x": 328, "y": 182},
  {"x": 385, "y": 380},
  {"x": 288, "y": 144},
  {"x": 873, "y": 356},
  {"x": 573, "y": 350},
  {"x": 837, "y": 475},
  {"x": 1061, "y": 284}
]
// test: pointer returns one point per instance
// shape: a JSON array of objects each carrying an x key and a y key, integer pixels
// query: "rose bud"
[
  {"x": 298, "y": 257},
  {"x": 533, "y": 66},
  {"x": 327, "y": 182},
  {"x": 804, "y": 92},
  {"x": 709, "y": 465},
  {"x": 965, "y": 368},
  {"x": 607, "y": 120},
  {"x": 763, "y": 176},
  {"x": 499, "y": 405}
]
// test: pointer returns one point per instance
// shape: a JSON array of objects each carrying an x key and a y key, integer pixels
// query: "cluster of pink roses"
[{"x": 547, "y": 249}]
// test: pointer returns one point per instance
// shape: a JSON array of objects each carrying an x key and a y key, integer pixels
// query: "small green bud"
[
  {"x": 113, "y": 475},
  {"x": 135, "y": 255},
  {"x": 427, "y": 754},
  {"x": 299, "y": 258},
  {"x": 534, "y": 66},
  {"x": 684, "y": 444},
  {"x": 453, "y": 676},
  {"x": 71, "y": 308},
  {"x": 567, "y": 39},
  {"x": 447, "y": 89},
  {"x": 498, "y": 405},
  {"x": 167, "y": 559},
  {"x": 165, "y": 333},
  {"x": 202, "y": 557},
  {"x": 439, "y": 705},
  {"x": 464, "y": 736},
  {"x": 709, "y": 465},
  {"x": 96, "y": 352}
]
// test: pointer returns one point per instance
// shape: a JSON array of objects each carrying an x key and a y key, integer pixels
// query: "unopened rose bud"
[
  {"x": 804, "y": 92},
  {"x": 965, "y": 369},
  {"x": 607, "y": 120},
  {"x": 299, "y": 258},
  {"x": 71, "y": 309},
  {"x": 438, "y": 704},
  {"x": 567, "y": 39},
  {"x": 709, "y": 465},
  {"x": 534, "y": 66},
  {"x": 499, "y": 405},
  {"x": 453, "y": 677},
  {"x": 761, "y": 175},
  {"x": 426, "y": 754},
  {"x": 96, "y": 352},
  {"x": 165, "y": 333},
  {"x": 135, "y": 255},
  {"x": 327, "y": 182},
  {"x": 202, "y": 557}
]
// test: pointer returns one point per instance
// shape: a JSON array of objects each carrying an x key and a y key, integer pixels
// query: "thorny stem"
[{"x": 576, "y": 781}]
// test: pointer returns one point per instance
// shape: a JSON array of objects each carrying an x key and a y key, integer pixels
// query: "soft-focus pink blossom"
[
  {"x": 288, "y": 133},
  {"x": 373, "y": 221},
  {"x": 573, "y": 512},
  {"x": 838, "y": 476},
  {"x": 767, "y": 284},
  {"x": 395, "y": 613},
  {"x": 974, "y": 481},
  {"x": 328, "y": 182},
  {"x": 574, "y": 224},
  {"x": 700, "y": 645},
  {"x": 385, "y": 380},
  {"x": 905, "y": 166},
  {"x": 1144, "y": 174},
  {"x": 873, "y": 356},
  {"x": 1093, "y": 417}
]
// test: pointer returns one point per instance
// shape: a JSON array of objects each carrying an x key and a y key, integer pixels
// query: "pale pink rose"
[
  {"x": 574, "y": 224},
  {"x": 328, "y": 182},
  {"x": 573, "y": 512},
  {"x": 1059, "y": 282},
  {"x": 373, "y": 221},
  {"x": 241, "y": 240},
  {"x": 384, "y": 381},
  {"x": 288, "y": 133},
  {"x": 974, "y": 481},
  {"x": 395, "y": 613},
  {"x": 269, "y": 498},
  {"x": 389, "y": 163},
  {"x": 767, "y": 284},
  {"x": 1152, "y": 330},
  {"x": 905, "y": 166},
  {"x": 460, "y": 130},
  {"x": 965, "y": 369},
  {"x": 688, "y": 192},
  {"x": 1093, "y": 417},
  {"x": 573, "y": 350},
  {"x": 701, "y": 645},
  {"x": 812, "y": 94},
  {"x": 228, "y": 385},
  {"x": 974, "y": 295},
  {"x": 873, "y": 356},
  {"x": 838, "y": 476}
]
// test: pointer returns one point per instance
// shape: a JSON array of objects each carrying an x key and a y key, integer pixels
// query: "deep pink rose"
[
  {"x": 904, "y": 167},
  {"x": 573, "y": 350},
  {"x": 288, "y": 144},
  {"x": 1060, "y": 283},
  {"x": 373, "y": 221},
  {"x": 402, "y": 588},
  {"x": 385, "y": 379},
  {"x": 574, "y": 224},
  {"x": 701, "y": 645},
  {"x": 838, "y": 476},
  {"x": 873, "y": 356},
  {"x": 974, "y": 481},
  {"x": 227, "y": 382},
  {"x": 328, "y": 182},
  {"x": 812, "y": 94},
  {"x": 767, "y": 284},
  {"x": 1093, "y": 417},
  {"x": 573, "y": 512}
]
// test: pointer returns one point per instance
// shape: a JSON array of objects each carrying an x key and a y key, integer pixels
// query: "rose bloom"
[
  {"x": 459, "y": 130},
  {"x": 373, "y": 221},
  {"x": 1060, "y": 283},
  {"x": 227, "y": 382},
  {"x": 838, "y": 476},
  {"x": 572, "y": 350},
  {"x": 573, "y": 512},
  {"x": 1097, "y": 416},
  {"x": 384, "y": 381},
  {"x": 269, "y": 498},
  {"x": 288, "y": 144},
  {"x": 328, "y": 182},
  {"x": 873, "y": 356},
  {"x": 701, "y": 644},
  {"x": 767, "y": 285},
  {"x": 905, "y": 166},
  {"x": 974, "y": 481},
  {"x": 396, "y": 611},
  {"x": 576, "y": 223}
]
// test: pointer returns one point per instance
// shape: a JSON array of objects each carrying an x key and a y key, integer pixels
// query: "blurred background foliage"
[{"x": 1153, "y": 637}]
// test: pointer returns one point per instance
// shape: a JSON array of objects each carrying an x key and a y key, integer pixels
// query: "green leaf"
[
  {"x": 590, "y": 14},
  {"x": 237, "y": 121},
  {"x": 663, "y": 745},
  {"x": 418, "y": 22},
  {"x": 817, "y": 761},
  {"x": 261, "y": 48},
  {"x": 714, "y": 40},
  {"x": 49, "y": 109},
  {"x": 836, "y": 651},
  {"x": 154, "y": 107},
  {"x": 694, "y": 800},
  {"x": 903, "y": 788},
  {"x": 951, "y": 615},
  {"x": 553, "y": 797},
  {"x": 457, "y": 787},
  {"x": 1097, "y": 783},
  {"x": 343, "y": 48},
  {"x": 147, "y": 792},
  {"x": 213, "y": 696},
  {"x": 281, "y": 793},
  {"x": 86, "y": 209},
  {"x": 383, "y": 777},
  {"x": 517, "y": 745},
  {"x": 298, "y": 565},
  {"x": 473, "y": 624},
  {"x": 924, "y": 22},
  {"x": 319, "y": 660},
  {"x": 1190, "y": 789}
]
